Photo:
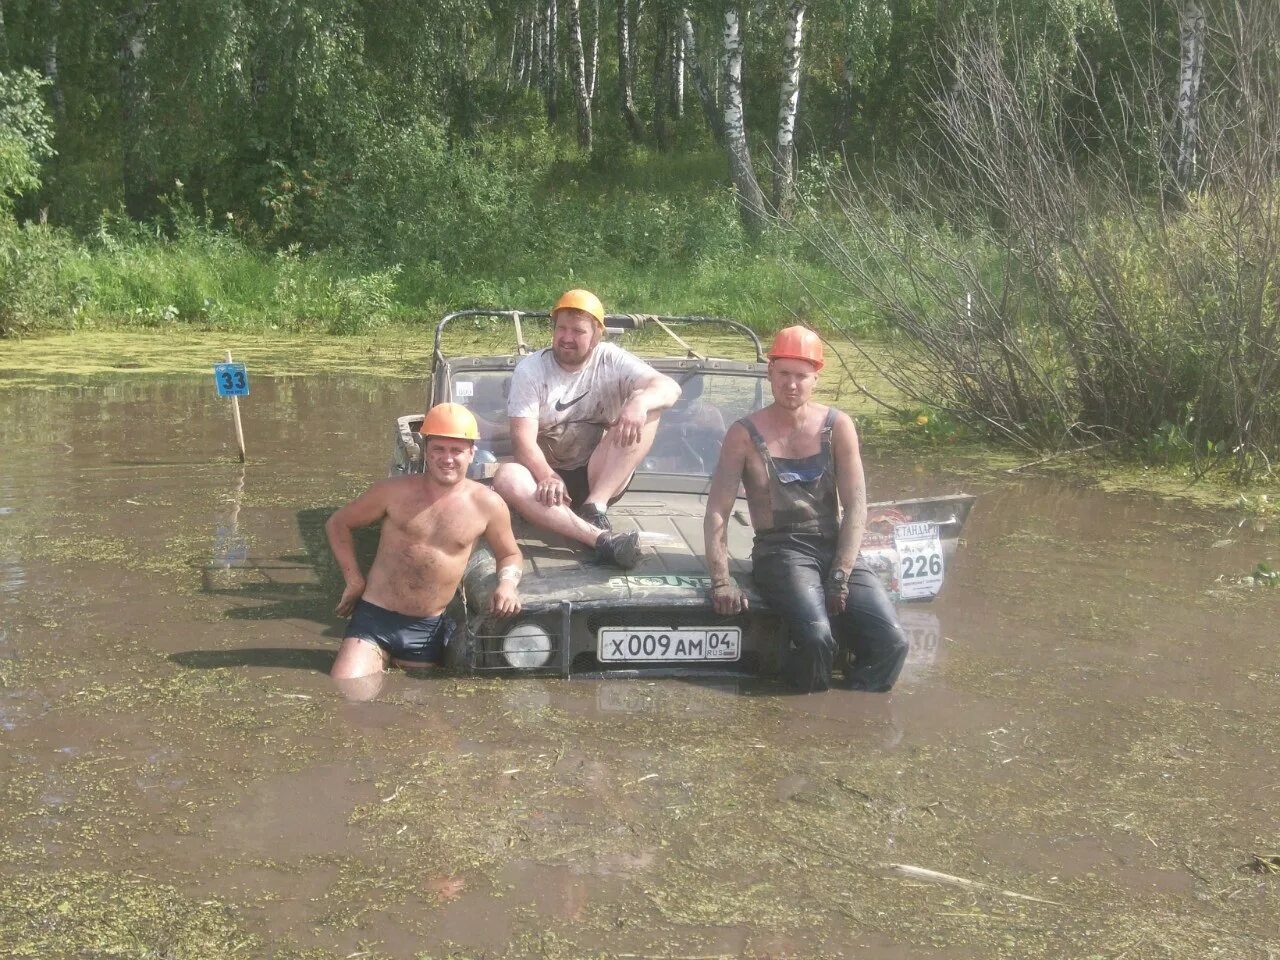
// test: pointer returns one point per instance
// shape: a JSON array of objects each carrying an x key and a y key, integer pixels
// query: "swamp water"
[{"x": 1090, "y": 717}]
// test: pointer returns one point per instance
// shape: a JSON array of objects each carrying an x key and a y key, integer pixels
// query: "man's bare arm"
[
  {"x": 852, "y": 487},
  {"x": 505, "y": 601},
  {"x": 721, "y": 496},
  {"x": 525, "y": 449},
  {"x": 649, "y": 397},
  {"x": 365, "y": 510}
]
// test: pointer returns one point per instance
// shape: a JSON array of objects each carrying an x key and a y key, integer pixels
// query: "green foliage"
[
  {"x": 33, "y": 291},
  {"x": 26, "y": 133}
]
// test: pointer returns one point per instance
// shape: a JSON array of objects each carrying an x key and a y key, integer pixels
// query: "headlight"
[{"x": 527, "y": 646}]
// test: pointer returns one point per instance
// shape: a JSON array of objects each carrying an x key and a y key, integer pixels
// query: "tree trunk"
[
  {"x": 539, "y": 34},
  {"x": 848, "y": 102},
  {"x": 715, "y": 122},
  {"x": 784, "y": 158},
  {"x": 626, "y": 98},
  {"x": 136, "y": 179},
  {"x": 661, "y": 74},
  {"x": 677, "y": 69},
  {"x": 4, "y": 41},
  {"x": 745, "y": 185},
  {"x": 552, "y": 65},
  {"x": 578, "y": 71},
  {"x": 56, "y": 102},
  {"x": 593, "y": 62},
  {"x": 1192, "y": 37}
]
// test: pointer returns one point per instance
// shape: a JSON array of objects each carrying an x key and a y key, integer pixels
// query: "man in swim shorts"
[
  {"x": 583, "y": 415},
  {"x": 430, "y": 522},
  {"x": 802, "y": 471}
]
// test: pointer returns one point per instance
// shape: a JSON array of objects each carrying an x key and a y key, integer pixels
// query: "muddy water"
[{"x": 1089, "y": 717}]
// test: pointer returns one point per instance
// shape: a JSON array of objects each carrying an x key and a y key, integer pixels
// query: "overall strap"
[{"x": 758, "y": 439}]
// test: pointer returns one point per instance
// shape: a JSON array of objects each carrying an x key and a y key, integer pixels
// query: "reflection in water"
[
  {"x": 923, "y": 631},
  {"x": 229, "y": 548}
]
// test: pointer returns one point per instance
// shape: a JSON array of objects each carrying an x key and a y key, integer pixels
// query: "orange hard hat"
[
  {"x": 583, "y": 300},
  {"x": 797, "y": 343},
  {"x": 450, "y": 420}
]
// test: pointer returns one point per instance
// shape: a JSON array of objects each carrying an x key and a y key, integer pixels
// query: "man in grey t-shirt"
[{"x": 583, "y": 415}]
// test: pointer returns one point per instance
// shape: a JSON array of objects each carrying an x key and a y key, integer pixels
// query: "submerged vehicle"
[{"x": 583, "y": 617}]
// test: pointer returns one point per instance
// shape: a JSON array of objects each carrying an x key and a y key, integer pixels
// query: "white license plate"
[{"x": 670, "y": 643}]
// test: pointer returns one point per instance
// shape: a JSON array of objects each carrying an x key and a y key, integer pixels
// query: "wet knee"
[{"x": 813, "y": 635}]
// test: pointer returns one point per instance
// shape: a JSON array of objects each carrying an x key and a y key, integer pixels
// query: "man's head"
[
  {"x": 578, "y": 319},
  {"x": 451, "y": 433},
  {"x": 795, "y": 358}
]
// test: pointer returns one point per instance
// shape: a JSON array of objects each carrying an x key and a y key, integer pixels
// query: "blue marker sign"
[{"x": 232, "y": 379}]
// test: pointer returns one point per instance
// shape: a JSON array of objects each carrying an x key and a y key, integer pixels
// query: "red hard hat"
[{"x": 797, "y": 343}]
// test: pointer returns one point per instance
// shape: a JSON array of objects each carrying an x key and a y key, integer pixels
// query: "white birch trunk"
[
  {"x": 705, "y": 97},
  {"x": 788, "y": 104},
  {"x": 578, "y": 73},
  {"x": 677, "y": 69},
  {"x": 747, "y": 188},
  {"x": 593, "y": 62},
  {"x": 553, "y": 62},
  {"x": 1192, "y": 36}
]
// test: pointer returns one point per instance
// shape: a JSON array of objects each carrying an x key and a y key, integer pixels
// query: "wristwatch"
[{"x": 838, "y": 579}]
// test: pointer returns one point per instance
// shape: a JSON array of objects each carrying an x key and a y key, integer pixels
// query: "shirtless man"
[
  {"x": 430, "y": 522},
  {"x": 799, "y": 463},
  {"x": 583, "y": 415}
]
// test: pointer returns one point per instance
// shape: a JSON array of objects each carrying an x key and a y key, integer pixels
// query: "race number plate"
[
  {"x": 920, "y": 564},
  {"x": 670, "y": 643}
]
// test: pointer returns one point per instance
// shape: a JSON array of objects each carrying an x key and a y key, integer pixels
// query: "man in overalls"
[{"x": 799, "y": 463}]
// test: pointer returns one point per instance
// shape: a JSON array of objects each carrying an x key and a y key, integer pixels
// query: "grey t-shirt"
[{"x": 573, "y": 409}]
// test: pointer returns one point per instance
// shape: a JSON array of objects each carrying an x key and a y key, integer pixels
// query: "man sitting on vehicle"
[
  {"x": 430, "y": 522},
  {"x": 799, "y": 463},
  {"x": 583, "y": 415}
]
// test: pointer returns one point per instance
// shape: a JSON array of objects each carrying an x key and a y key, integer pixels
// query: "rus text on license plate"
[{"x": 670, "y": 643}]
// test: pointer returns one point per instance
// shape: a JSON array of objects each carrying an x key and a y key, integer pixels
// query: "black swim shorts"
[{"x": 406, "y": 639}]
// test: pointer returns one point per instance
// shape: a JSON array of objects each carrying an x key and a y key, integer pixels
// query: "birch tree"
[
  {"x": 660, "y": 80},
  {"x": 593, "y": 61},
  {"x": 626, "y": 85},
  {"x": 746, "y": 187},
  {"x": 134, "y": 132},
  {"x": 677, "y": 69},
  {"x": 57, "y": 101},
  {"x": 1191, "y": 30},
  {"x": 578, "y": 73},
  {"x": 715, "y": 122},
  {"x": 552, "y": 64},
  {"x": 788, "y": 105},
  {"x": 4, "y": 40}
]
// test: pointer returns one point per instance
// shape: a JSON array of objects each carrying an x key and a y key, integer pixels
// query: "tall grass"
[{"x": 650, "y": 232}]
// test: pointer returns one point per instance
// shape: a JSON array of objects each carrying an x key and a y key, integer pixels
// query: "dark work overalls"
[{"x": 790, "y": 562}]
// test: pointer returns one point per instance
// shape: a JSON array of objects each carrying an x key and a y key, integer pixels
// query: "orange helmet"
[
  {"x": 583, "y": 300},
  {"x": 450, "y": 420},
  {"x": 797, "y": 343}
]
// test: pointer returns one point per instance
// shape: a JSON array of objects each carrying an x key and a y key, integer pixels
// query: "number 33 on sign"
[
  {"x": 920, "y": 567},
  {"x": 232, "y": 379}
]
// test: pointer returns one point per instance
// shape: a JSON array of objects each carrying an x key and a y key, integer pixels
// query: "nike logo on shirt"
[{"x": 562, "y": 407}]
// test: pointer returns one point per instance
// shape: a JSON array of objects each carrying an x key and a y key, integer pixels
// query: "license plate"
[{"x": 670, "y": 643}]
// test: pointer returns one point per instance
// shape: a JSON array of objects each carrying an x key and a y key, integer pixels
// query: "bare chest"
[{"x": 451, "y": 524}]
